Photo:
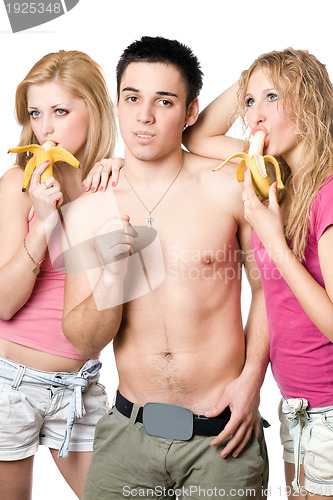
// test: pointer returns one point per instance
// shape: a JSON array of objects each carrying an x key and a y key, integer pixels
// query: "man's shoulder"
[
  {"x": 88, "y": 212},
  {"x": 219, "y": 189},
  {"x": 199, "y": 164},
  {"x": 203, "y": 168}
]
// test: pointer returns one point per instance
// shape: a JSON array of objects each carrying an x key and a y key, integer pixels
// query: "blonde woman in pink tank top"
[
  {"x": 289, "y": 96},
  {"x": 48, "y": 393}
]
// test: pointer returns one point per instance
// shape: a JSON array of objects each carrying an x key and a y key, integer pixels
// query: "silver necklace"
[{"x": 149, "y": 219}]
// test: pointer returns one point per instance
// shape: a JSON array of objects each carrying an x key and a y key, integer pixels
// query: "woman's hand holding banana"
[
  {"x": 46, "y": 197},
  {"x": 46, "y": 152},
  {"x": 265, "y": 220}
]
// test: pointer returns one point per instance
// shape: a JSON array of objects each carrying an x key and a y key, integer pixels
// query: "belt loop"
[
  {"x": 295, "y": 411},
  {"x": 134, "y": 413},
  {"x": 18, "y": 378},
  {"x": 115, "y": 397}
]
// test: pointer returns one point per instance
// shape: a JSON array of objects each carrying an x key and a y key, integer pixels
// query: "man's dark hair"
[{"x": 161, "y": 50}]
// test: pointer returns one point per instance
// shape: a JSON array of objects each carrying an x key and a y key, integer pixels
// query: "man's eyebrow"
[
  {"x": 165, "y": 92},
  {"x": 159, "y": 92},
  {"x": 130, "y": 89}
]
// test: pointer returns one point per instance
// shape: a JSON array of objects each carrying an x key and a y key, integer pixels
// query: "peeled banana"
[
  {"x": 47, "y": 151},
  {"x": 256, "y": 163}
]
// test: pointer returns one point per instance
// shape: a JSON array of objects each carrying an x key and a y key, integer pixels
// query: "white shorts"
[
  {"x": 58, "y": 410},
  {"x": 316, "y": 446}
]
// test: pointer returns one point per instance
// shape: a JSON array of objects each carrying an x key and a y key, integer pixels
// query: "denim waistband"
[{"x": 76, "y": 382}]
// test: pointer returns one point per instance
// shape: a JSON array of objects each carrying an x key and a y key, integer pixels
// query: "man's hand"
[
  {"x": 115, "y": 242},
  {"x": 242, "y": 396}
]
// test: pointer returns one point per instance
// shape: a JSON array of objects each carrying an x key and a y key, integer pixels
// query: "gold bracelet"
[{"x": 36, "y": 269}]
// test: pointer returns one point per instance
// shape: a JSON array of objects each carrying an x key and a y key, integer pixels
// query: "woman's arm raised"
[{"x": 207, "y": 137}]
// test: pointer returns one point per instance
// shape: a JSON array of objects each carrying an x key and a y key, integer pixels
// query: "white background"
[{"x": 226, "y": 36}]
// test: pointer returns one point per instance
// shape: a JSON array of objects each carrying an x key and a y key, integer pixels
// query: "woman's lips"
[{"x": 265, "y": 131}]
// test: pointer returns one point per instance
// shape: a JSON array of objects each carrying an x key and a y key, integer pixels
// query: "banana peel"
[
  {"x": 47, "y": 151},
  {"x": 255, "y": 161}
]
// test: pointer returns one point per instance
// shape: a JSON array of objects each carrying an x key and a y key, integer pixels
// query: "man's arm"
[
  {"x": 242, "y": 395},
  {"x": 88, "y": 328},
  {"x": 94, "y": 297}
]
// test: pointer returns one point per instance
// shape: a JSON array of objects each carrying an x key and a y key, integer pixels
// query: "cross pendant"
[{"x": 149, "y": 220}]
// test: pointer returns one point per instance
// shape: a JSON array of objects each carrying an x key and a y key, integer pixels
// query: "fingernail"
[
  {"x": 47, "y": 162},
  {"x": 113, "y": 184},
  {"x": 93, "y": 189},
  {"x": 86, "y": 188},
  {"x": 245, "y": 168},
  {"x": 275, "y": 184},
  {"x": 101, "y": 188}
]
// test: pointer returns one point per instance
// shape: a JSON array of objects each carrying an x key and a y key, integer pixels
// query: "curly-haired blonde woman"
[
  {"x": 288, "y": 95},
  {"x": 48, "y": 393}
]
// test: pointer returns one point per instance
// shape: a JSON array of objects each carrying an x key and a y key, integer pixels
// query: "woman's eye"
[
  {"x": 34, "y": 114},
  {"x": 61, "y": 112},
  {"x": 271, "y": 97},
  {"x": 249, "y": 102}
]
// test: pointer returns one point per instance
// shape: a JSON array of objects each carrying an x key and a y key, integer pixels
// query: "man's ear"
[
  {"x": 115, "y": 105},
  {"x": 192, "y": 112}
]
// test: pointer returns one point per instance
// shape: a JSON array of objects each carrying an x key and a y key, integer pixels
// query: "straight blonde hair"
[
  {"x": 307, "y": 97},
  {"x": 82, "y": 77}
]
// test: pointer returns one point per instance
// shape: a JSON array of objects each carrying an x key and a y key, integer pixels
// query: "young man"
[{"x": 182, "y": 345}]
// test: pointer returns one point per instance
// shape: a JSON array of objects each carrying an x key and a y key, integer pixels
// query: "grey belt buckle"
[{"x": 168, "y": 421}]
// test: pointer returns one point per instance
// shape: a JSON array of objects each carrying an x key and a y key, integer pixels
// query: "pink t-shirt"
[
  {"x": 301, "y": 356},
  {"x": 38, "y": 324}
]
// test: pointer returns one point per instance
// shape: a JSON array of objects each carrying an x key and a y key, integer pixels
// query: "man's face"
[{"x": 151, "y": 108}]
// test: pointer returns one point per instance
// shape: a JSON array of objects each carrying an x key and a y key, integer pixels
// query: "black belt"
[{"x": 202, "y": 426}]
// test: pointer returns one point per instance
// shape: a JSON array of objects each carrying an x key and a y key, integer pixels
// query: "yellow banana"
[
  {"x": 47, "y": 151},
  {"x": 256, "y": 163}
]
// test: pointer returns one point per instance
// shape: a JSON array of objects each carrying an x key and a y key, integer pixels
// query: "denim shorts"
[
  {"x": 58, "y": 410},
  {"x": 307, "y": 438}
]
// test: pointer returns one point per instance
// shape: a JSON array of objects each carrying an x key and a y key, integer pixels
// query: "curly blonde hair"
[
  {"x": 82, "y": 77},
  {"x": 307, "y": 94}
]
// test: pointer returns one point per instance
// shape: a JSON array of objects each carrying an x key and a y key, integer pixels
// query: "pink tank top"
[
  {"x": 301, "y": 356},
  {"x": 38, "y": 324}
]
